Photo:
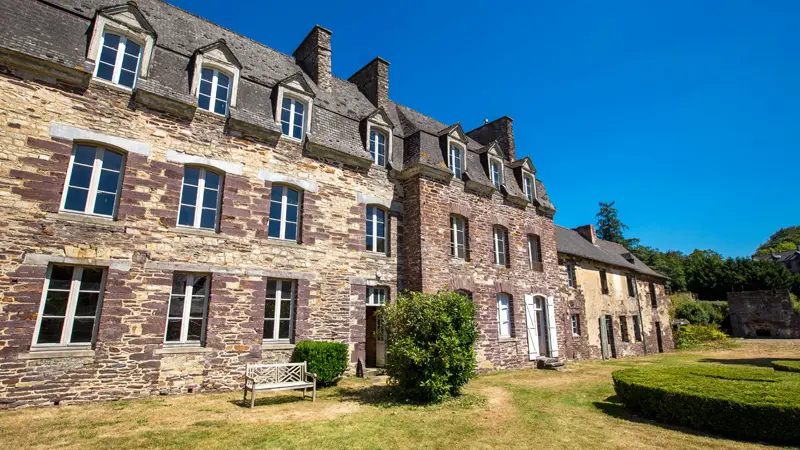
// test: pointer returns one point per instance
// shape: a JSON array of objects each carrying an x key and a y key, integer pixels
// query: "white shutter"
[
  {"x": 530, "y": 320},
  {"x": 551, "y": 327}
]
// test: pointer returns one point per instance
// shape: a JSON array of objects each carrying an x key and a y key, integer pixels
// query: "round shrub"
[
  {"x": 431, "y": 338},
  {"x": 739, "y": 402},
  {"x": 690, "y": 336},
  {"x": 693, "y": 312},
  {"x": 786, "y": 366},
  {"x": 326, "y": 359}
]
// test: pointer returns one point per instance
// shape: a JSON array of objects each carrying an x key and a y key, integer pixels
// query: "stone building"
[
  {"x": 763, "y": 314},
  {"x": 790, "y": 258},
  {"x": 178, "y": 200},
  {"x": 617, "y": 305}
]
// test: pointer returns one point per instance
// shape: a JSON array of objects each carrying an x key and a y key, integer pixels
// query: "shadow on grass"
[
  {"x": 376, "y": 395},
  {"x": 759, "y": 362},
  {"x": 273, "y": 400}
]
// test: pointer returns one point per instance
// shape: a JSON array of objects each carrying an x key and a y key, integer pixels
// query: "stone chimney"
[
  {"x": 373, "y": 81},
  {"x": 314, "y": 56},
  {"x": 499, "y": 130},
  {"x": 588, "y": 233}
]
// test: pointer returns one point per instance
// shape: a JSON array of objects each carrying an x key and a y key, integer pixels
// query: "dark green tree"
[
  {"x": 782, "y": 240},
  {"x": 610, "y": 227}
]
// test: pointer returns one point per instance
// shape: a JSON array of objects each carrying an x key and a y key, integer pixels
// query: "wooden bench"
[{"x": 278, "y": 377}]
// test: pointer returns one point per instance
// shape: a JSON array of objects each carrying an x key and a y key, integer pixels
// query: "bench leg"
[
  {"x": 244, "y": 400},
  {"x": 304, "y": 392},
  {"x": 314, "y": 393},
  {"x": 252, "y": 396}
]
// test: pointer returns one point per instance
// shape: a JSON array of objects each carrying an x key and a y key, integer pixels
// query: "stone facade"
[{"x": 763, "y": 314}]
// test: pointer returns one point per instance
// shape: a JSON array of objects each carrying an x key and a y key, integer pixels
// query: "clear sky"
[{"x": 685, "y": 112}]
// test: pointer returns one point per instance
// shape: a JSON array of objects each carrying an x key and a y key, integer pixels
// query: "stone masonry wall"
[{"x": 763, "y": 314}]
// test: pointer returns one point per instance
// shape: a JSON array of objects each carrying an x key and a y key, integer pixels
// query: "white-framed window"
[
  {"x": 534, "y": 252},
  {"x": 188, "y": 309},
  {"x": 496, "y": 172},
  {"x": 458, "y": 237},
  {"x": 284, "y": 213},
  {"x": 529, "y": 186},
  {"x": 377, "y": 146},
  {"x": 279, "y": 310},
  {"x": 576, "y": 324},
  {"x": 94, "y": 179},
  {"x": 376, "y": 229},
  {"x": 70, "y": 306},
  {"x": 376, "y": 296},
  {"x": 200, "y": 198},
  {"x": 119, "y": 60},
  {"x": 214, "y": 92},
  {"x": 504, "y": 315},
  {"x": 456, "y": 160},
  {"x": 293, "y": 118},
  {"x": 500, "y": 246},
  {"x": 571, "y": 282}
]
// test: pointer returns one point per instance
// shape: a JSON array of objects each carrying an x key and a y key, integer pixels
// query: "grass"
[
  {"x": 576, "y": 408},
  {"x": 786, "y": 366}
]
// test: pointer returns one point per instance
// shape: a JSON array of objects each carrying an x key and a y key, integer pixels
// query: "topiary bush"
[
  {"x": 326, "y": 359},
  {"x": 431, "y": 339},
  {"x": 690, "y": 336},
  {"x": 786, "y": 366},
  {"x": 740, "y": 402}
]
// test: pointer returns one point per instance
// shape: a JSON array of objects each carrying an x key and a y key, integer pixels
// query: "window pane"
[
  {"x": 85, "y": 155},
  {"x": 292, "y": 197},
  {"x": 381, "y": 230},
  {"x": 111, "y": 40},
  {"x": 82, "y": 330},
  {"x": 129, "y": 62},
  {"x": 212, "y": 180},
  {"x": 223, "y": 80},
  {"x": 111, "y": 160},
  {"x": 91, "y": 279},
  {"x": 269, "y": 328},
  {"x": 81, "y": 176},
  {"x": 173, "y": 330},
  {"x": 369, "y": 242},
  {"x": 191, "y": 175},
  {"x": 208, "y": 219},
  {"x": 285, "y": 115},
  {"x": 105, "y": 71},
  {"x": 132, "y": 48},
  {"x": 76, "y": 199},
  {"x": 272, "y": 287},
  {"x": 104, "y": 204},
  {"x": 269, "y": 309},
  {"x": 286, "y": 306},
  {"x": 200, "y": 286},
  {"x": 176, "y": 306},
  {"x": 195, "y": 328},
  {"x": 291, "y": 232},
  {"x": 61, "y": 277},
  {"x": 108, "y": 181},
  {"x": 381, "y": 245},
  {"x": 189, "y": 195},
  {"x": 87, "y": 304},
  {"x": 275, "y": 210},
  {"x": 291, "y": 213},
  {"x": 221, "y": 107},
  {"x": 127, "y": 78},
  {"x": 108, "y": 55},
  {"x": 299, "y": 110},
  {"x": 204, "y": 102},
  {"x": 205, "y": 88},
  {"x": 297, "y": 132},
  {"x": 207, "y": 75},
  {"x": 50, "y": 331},
  {"x": 55, "y": 303},
  {"x": 283, "y": 329},
  {"x": 274, "y": 230},
  {"x": 186, "y": 215}
]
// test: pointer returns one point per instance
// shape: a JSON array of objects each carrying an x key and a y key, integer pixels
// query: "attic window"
[
  {"x": 496, "y": 172},
  {"x": 529, "y": 186},
  {"x": 377, "y": 146},
  {"x": 456, "y": 160},
  {"x": 119, "y": 60},
  {"x": 214, "y": 92},
  {"x": 293, "y": 117}
]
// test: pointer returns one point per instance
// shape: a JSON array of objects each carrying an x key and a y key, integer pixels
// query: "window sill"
[
  {"x": 84, "y": 218},
  {"x": 291, "y": 138},
  {"x": 285, "y": 242},
  {"x": 277, "y": 346},
  {"x": 112, "y": 85},
  {"x": 377, "y": 255},
  {"x": 212, "y": 113},
  {"x": 576, "y": 335},
  {"x": 506, "y": 339},
  {"x": 176, "y": 350},
  {"x": 62, "y": 352},
  {"x": 196, "y": 232}
]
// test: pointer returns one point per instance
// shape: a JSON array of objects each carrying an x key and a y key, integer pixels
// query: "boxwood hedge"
[
  {"x": 326, "y": 359},
  {"x": 786, "y": 366},
  {"x": 741, "y": 402}
]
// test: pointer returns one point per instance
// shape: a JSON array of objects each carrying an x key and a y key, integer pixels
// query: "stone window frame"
[
  {"x": 454, "y": 219},
  {"x": 572, "y": 276},
  {"x": 285, "y": 91},
  {"x": 637, "y": 328},
  {"x": 509, "y": 315},
  {"x": 121, "y": 52},
  {"x": 106, "y": 24},
  {"x": 386, "y": 131},
  {"x": 575, "y": 320},
  {"x": 279, "y": 289},
  {"x": 186, "y": 313},
  {"x": 453, "y": 147},
  {"x": 530, "y": 192},
  {"x": 604, "y": 282},
  {"x": 535, "y": 264},
  {"x": 284, "y": 186},
  {"x": 94, "y": 181},
  {"x": 69, "y": 318},
  {"x": 498, "y": 232},
  {"x": 203, "y": 61},
  {"x": 199, "y": 199},
  {"x": 625, "y": 334},
  {"x": 496, "y": 162},
  {"x": 374, "y": 230},
  {"x": 213, "y": 99}
]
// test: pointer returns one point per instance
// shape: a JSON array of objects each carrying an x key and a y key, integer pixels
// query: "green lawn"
[{"x": 522, "y": 409}]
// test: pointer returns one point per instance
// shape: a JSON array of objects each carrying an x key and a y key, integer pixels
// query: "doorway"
[
  {"x": 537, "y": 325},
  {"x": 607, "y": 337},
  {"x": 541, "y": 323},
  {"x": 375, "y": 351},
  {"x": 658, "y": 338}
]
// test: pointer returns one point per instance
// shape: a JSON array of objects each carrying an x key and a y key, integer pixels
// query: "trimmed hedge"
[
  {"x": 786, "y": 366},
  {"x": 740, "y": 402},
  {"x": 326, "y": 359},
  {"x": 690, "y": 336}
]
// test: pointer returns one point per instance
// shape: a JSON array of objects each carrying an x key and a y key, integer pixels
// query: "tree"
[
  {"x": 785, "y": 239},
  {"x": 611, "y": 228}
]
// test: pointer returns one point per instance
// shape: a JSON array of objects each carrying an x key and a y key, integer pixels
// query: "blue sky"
[{"x": 685, "y": 113}]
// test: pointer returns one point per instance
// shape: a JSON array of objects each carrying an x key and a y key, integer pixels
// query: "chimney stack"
[
  {"x": 373, "y": 81},
  {"x": 314, "y": 56},
  {"x": 588, "y": 233},
  {"x": 499, "y": 130}
]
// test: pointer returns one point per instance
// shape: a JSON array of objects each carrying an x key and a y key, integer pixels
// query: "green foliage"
[
  {"x": 702, "y": 312},
  {"x": 431, "y": 339},
  {"x": 610, "y": 227},
  {"x": 736, "y": 401},
  {"x": 786, "y": 366},
  {"x": 326, "y": 359},
  {"x": 795, "y": 302},
  {"x": 785, "y": 239},
  {"x": 691, "y": 336},
  {"x": 669, "y": 263}
]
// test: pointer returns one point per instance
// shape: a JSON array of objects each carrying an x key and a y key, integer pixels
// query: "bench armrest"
[{"x": 312, "y": 375}]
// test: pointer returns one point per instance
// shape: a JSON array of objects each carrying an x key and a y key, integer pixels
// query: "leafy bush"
[
  {"x": 689, "y": 336},
  {"x": 700, "y": 312},
  {"x": 326, "y": 359},
  {"x": 786, "y": 366},
  {"x": 431, "y": 340},
  {"x": 739, "y": 402},
  {"x": 693, "y": 312}
]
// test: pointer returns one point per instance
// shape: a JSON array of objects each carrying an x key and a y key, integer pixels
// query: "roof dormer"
[
  {"x": 492, "y": 162},
  {"x": 453, "y": 143},
  {"x": 376, "y": 133},
  {"x": 525, "y": 173},
  {"x": 294, "y": 100},
  {"x": 215, "y": 77}
]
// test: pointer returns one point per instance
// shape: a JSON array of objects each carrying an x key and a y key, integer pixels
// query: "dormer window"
[
  {"x": 456, "y": 160},
  {"x": 119, "y": 60},
  {"x": 214, "y": 92},
  {"x": 528, "y": 185},
  {"x": 293, "y": 118},
  {"x": 377, "y": 146},
  {"x": 496, "y": 172}
]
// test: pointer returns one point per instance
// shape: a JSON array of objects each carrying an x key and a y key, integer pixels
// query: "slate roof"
[
  {"x": 572, "y": 243},
  {"x": 35, "y": 28},
  {"x": 779, "y": 256}
]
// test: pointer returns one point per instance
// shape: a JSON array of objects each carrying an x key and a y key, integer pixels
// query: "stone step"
[{"x": 550, "y": 363}]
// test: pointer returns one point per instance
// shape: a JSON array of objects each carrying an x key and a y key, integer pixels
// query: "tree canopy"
[
  {"x": 610, "y": 227},
  {"x": 782, "y": 240}
]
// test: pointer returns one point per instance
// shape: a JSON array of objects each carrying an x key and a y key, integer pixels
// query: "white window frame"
[
  {"x": 575, "y": 320},
  {"x": 572, "y": 281},
  {"x": 537, "y": 249},
  {"x": 453, "y": 151},
  {"x": 280, "y": 286},
  {"x": 121, "y": 47},
  {"x": 212, "y": 103},
  {"x": 198, "y": 206},
  {"x": 529, "y": 186},
  {"x": 504, "y": 322},
  {"x": 187, "y": 309},
  {"x": 292, "y": 106},
  {"x": 374, "y": 231},
  {"x": 284, "y": 205},
  {"x": 91, "y": 197},
  {"x": 500, "y": 240},
  {"x": 375, "y": 133},
  {"x": 458, "y": 227},
  {"x": 377, "y": 295},
  {"x": 72, "y": 302},
  {"x": 496, "y": 176}
]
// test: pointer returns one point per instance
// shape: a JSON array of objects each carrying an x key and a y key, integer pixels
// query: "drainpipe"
[{"x": 641, "y": 319}]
